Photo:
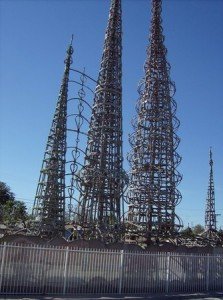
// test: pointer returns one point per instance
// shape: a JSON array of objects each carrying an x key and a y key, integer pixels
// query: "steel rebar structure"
[
  {"x": 103, "y": 176},
  {"x": 152, "y": 194},
  {"x": 210, "y": 215},
  {"x": 49, "y": 204}
]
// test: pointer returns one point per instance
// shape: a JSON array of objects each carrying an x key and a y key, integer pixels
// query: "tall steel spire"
[
  {"x": 210, "y": 215},
  {"x": 102, "y": 177},
  {"x": 153, "y": 193},
  {"x": 49, "y": 205}
]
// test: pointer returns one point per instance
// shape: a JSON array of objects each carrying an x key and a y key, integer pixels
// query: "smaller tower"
[
  {"x": 49, "y": 204},
  {"x": 210, "y": 215}
]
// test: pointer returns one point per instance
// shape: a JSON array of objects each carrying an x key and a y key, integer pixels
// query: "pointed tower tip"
[
  {"x": 71, "y": 41},
  {"x": 210, "y": 153},
  {"x": 70, "y": 46}
]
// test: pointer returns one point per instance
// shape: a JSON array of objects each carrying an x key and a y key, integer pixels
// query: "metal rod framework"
[
  {"x": 49, "y": 204},
  {"x": 210, "y": 215},
  {"x": 153, "y": 193},
  {"x": 103, "y": 178}
]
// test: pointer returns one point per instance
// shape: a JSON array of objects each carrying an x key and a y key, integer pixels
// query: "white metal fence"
[{"x": 42, "y": 270}]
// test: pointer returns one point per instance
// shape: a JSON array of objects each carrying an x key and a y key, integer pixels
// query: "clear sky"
[{"x": 33, "y": 39}]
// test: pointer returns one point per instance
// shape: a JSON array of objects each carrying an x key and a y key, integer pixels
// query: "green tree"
[
  {"x": 11, "y": 210},
  {"x": 197, "y": 229},
  {"x": 5, "y": 193},
  {"x": 15, "y": 212},
  {"x": 187, "y": 232}
]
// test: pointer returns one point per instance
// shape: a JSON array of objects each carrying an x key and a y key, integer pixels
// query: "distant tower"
[
  {"x": 210, "y": 215},
  {"x": 103, "y": 177},
  {"x": 153, "y": 193},
  {"x": 49, "y": 204}
]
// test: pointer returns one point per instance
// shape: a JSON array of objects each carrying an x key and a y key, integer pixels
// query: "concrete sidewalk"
[{"x": 197, "y": 296}]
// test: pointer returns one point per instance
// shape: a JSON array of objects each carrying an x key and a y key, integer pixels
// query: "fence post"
[
  {"x": 208, "y": 272},
  {"x": 65, "y": 271},
  {"x": 167, "y": 272},
  {"x": 121, "y": 271},
  {"x": 2, "y": 265}
]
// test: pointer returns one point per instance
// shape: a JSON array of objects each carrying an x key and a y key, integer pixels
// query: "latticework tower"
[
  {"x": 153, "y": 193},
  {"x": 49, "y": 205},
  {"x": 102, "y": 176},
  {"x": 210, "y": 215}
]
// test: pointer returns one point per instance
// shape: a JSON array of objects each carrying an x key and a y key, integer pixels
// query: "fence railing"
[{"x": 53, "y": 270}]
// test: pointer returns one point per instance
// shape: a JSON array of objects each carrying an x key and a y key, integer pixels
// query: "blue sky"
[{"x": 33, "y": 40}]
